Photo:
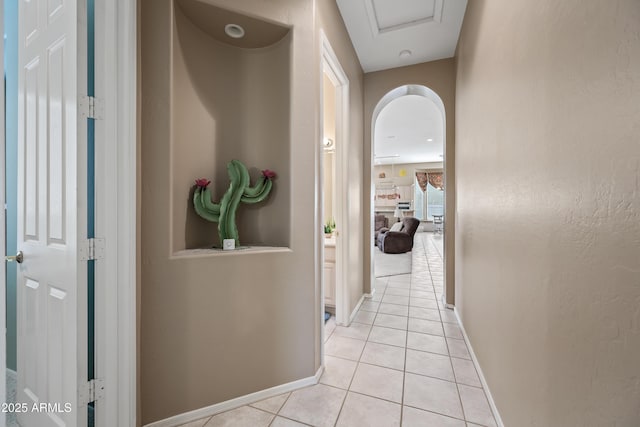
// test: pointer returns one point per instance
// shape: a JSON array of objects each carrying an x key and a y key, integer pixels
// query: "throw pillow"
[{"x": 396, "y": 226}]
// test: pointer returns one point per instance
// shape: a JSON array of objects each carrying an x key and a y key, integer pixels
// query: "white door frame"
[
  {"x": 332, "y": 68},
  {"x": 116, "y": 178},
  {"x": 115, "y": 207}
]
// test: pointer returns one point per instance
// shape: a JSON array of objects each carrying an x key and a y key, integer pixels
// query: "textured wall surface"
[
  {"x": 213, "y": 328},
  {"x": 328, "y": 19},
  {"x": 548, "y": 207},
  {"x": 228, "y": 103}
]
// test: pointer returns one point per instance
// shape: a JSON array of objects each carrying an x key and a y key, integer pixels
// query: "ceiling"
[
  {"x": 403, "y": 129},
  {"x": 395, "y": 33},
  {"x": 381, "y": 29}
]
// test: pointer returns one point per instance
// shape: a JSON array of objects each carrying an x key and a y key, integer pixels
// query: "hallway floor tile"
[{"x": 403, "y": 362}]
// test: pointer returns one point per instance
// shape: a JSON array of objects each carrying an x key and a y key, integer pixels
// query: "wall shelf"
[{"x": 216, "y": 252}]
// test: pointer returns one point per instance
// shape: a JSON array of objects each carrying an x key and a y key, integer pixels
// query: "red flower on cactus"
[
  {"x": 202, "y": 182},
  {"x": 269, "y": 174}
]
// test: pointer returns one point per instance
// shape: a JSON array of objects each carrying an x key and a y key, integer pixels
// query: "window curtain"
[
  {"x": 435, "y": 179},
  {"x": 422, "y": 179}
]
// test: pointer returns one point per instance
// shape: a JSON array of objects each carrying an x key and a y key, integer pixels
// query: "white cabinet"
[
  {"x": 330, "y": 284},
  {"x": 330, "y": 272}
]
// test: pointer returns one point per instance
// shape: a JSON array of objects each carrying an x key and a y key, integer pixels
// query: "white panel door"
[{"x": 52, "y": 281}]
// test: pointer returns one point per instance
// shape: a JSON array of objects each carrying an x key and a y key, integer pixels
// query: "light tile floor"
[{"x": 402, "y": 362}]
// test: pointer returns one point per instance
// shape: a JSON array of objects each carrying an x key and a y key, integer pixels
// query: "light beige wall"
[
  {"x": 392, "y": 173},
  {"x": 329, "y": 19},
  {"x": 228, "y": 103},
  {"x": 213, "y": 328},
  {"x": 548, "y": 239},
  {"x": 438, "y": 76}
]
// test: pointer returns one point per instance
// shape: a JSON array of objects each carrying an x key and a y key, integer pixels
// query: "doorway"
[
  {"x": 66, "y": 228},
  {"x": 334, "y": 119},
  {"x": 48, "y": 356},
  {"x": 408, "y": 140},
  {"x": 9, "y": 214},
  {"x": 329, "y": 191}
]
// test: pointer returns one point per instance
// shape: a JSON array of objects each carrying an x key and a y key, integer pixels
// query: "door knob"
[{"x": 19, "y": 257}]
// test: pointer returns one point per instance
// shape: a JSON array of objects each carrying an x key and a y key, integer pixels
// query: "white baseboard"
[
  {"x": 444, "y": 302},
  {"x": 178, "y": 420},
  {"x": 483, "y": 380},
  {"x": 317, "y": 376},
  {"x": 355, "y": 310}
]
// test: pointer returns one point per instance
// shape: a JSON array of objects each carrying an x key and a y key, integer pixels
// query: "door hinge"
[
  {"x": 91, "y": 107},
  {"x": 91, "y": 391},
  {"x": 92, "y": 249}
]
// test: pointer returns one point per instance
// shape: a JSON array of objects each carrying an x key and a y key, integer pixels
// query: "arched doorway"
[{"x": 436, "y": 110}]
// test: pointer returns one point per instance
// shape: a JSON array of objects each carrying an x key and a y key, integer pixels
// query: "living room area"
[{"x": 408, "y": 179}]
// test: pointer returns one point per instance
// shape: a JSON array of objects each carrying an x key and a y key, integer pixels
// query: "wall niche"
[{"x": 230, "y": 99}]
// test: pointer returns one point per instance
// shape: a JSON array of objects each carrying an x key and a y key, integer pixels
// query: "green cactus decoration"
[{"x": 224, "y": 213}]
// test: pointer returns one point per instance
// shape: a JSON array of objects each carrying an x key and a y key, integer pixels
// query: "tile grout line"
[
  {"x": 348, "y": 390},
  {"x": 404, "y": 374},
  {"x": 414, "y": 281},
  {"x": 442, "y": 415},
  {"x": 344, "y": 399},
  {"x": 445, "y": 334},
  {"x": 280, "y": 409},
  {"x": 421, "y": 281},
  {"x": 447, "y": 344},
  {"x": 448, "y": 348}
]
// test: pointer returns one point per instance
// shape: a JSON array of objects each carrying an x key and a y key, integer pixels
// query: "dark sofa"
[
  {"x": 381, "y": 224},
  {"x": 398, "y": 242}
]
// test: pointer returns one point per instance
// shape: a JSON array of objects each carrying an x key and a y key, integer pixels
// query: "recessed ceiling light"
[
  {"x": 429, "y": 139},
  {"x": 234, "y": 31},
  {"x": 405, "y": 53}
]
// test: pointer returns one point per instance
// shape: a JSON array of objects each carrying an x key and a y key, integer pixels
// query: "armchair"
[
  {"x": 398, "y": 242},
  {"x": 381, "y": 224}
]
